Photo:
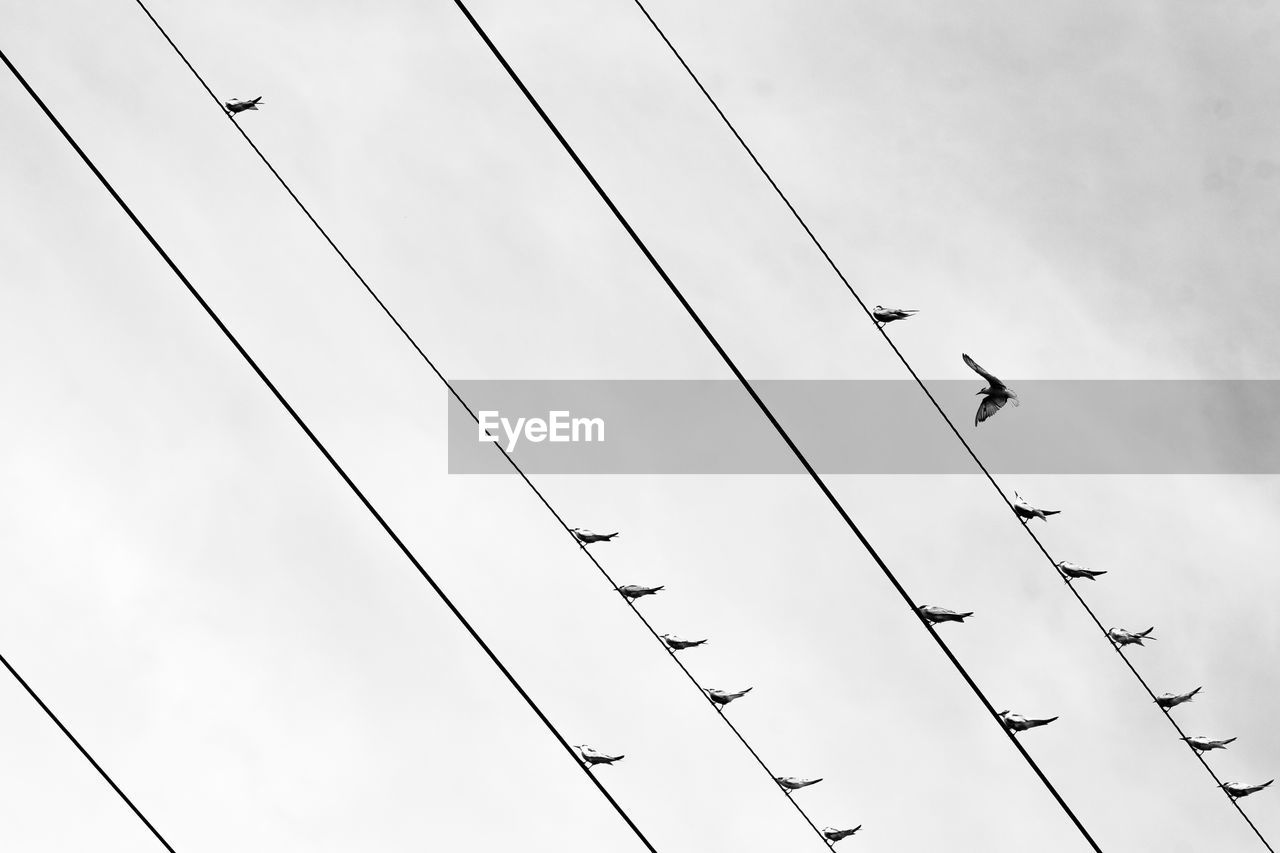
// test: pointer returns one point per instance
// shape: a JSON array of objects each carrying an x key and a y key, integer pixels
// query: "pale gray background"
[{"x": 1068, "y": 190}]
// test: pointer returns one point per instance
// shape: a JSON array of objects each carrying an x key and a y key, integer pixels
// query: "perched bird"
[
  {"x": 586, "y": 537},
  {"x": 676, "y": 644},
  {"x": 884, "y": 316},
  {"x": 837, "y": 834},
  {"x": 1071, "y": 571},
  {"x": 1168, "y": 700},
  {"x": 792, "y": 783},
  {"x": 235, "y": 105},
  {"x": 1018, "y": 723},
  {"x": 633, "y": 591},
  {"x": 594, "y": 756},
  {"x": 724, "y": 697},
  {"x": 934, "y": 615},
  {"x": 1026, "y": 511},
  {"x": 1121, "y": 637},
  {"x": 1235, "y": 789},
  {"x": 997, "y": 393},
  {"x": 1204, "y": 744}
]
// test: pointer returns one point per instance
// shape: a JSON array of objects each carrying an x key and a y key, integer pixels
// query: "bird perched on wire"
[
  {"x": 1018, "y": 723},
  {"x": 1025, "y": 511},
  {"x": 1236, "y": 790},
  {"x": 833, "y": 835},
  {"x": 1071, "y": 571},
  {"x": 632, "y": 591},
  {"x": 676, "y": 643},
  {"x": 592, "y": 757},
  {"x": 1121, "y": 637},
  {"x": 586, "y": 537},
  {"x": 724, "y": 697},
  {"x": 933, "y": 615},
  {"x": 1169, "y": 700},
  {"x": 996, "y": 393},
  {"x": 235, "y": 105},
  {"x": 1204, "y": 744},
  {"x": 885, "y": 316},
  {"x": 794, "y": 783}
]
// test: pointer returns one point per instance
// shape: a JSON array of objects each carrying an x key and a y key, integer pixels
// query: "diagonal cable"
[
  {"x": 884, "y": 333},
  {"x": 368, "y": 505},
  {"x": 764, "y": 409}
]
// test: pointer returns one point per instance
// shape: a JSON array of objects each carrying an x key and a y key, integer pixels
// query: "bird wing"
[
  {"x": 988, "y": 407},
  {"x": 976, "y": 368}
]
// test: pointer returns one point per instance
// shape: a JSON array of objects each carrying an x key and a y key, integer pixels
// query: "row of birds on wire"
[
  {"x": 994, "y": 396},
  {"x": 718, "y": 698}
]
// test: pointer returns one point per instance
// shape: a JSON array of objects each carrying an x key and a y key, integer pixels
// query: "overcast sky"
[{"x": 1067, "y": 190}]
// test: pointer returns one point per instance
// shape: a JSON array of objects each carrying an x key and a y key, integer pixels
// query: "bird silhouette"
[
  {"x": 934, "y": 615},
  {"x": 1237, "y": 790},
  {"x": 586, "y": 537},
  {"x": 1169, "y": 700},
  {"x": 793, "y": 783},
  {"x": 833, "y": 835},
  {"x": 235, "y": 105},
  {"x": 996, "y": 393},
  {"x": 676, "y": 643},
  {"x": 1204, "y": 744},
  {"x": 1071, "y": 571},
  {"x": 1026, "y": 511},
  {"x": 885, "y": 316},
  {"x": 1121, "y": 637},
  {"x": 633, "y": 591},
  {"x": 592, "y": 757},
  {"x": 724, "y": 697},
  {"x": 1018, "y": 723}
]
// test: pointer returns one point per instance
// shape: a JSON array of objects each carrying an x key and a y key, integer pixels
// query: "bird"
[
  {"x": 1071, "y": 571},
  {"x": 934, "y": 615},
  {"x": 885, "y": 316},
  {"x": 633, "y": 591},
  {"x": 1018, "y": 723},
  {"x": 724, "y": 697},
  {"x": 1026, "y": 511},
  {"x": 1204, "y": 744},
  {"x": 676, "y": 644},
  {"x": 235, "y": 105},
  {"x": 1235, "y": 789},
  {"x": 1168, "y": 700},
  {"x": 836, "y": 834},
  {"x": 792, "y": 783},
  {"x": 997, "y": 393},
  {"x": 586, "y": 537},
  {"x": 593, "y": 757},
  {"x": 1121, "y": 637}
]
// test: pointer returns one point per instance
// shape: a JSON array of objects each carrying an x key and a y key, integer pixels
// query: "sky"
[{"x": 1067, "y": 191}]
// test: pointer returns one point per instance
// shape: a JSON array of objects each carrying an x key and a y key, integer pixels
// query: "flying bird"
[
  {"x": 593, "y": 757},
  {"x": 235, "y": 105},
  {"x": 632, "y": 591},
  {"x": 1121, "y": 637},
  {"x": 586, "y": 537},
  {"x": 1071, "y": 571},
  {"x": 1204, "y": 744},
  {"x": 792, "y": 783},
  {"x": 1018, "y": 723},
  {"x": 837, "y": 834},
  {"x": 1026, "y": 511},
  {"x": 934, "y": 615},
  {"x": 1168, "y": 700},
  {"x": 885, "y": 316},
  {"x": 724, "y": 697},
  {"x": 1235, "y": 789},
  {"x": 676, "y": 644},
  {"x": 996, "y": 393}
]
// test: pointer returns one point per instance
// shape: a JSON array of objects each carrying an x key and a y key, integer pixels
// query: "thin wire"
[
  {"x": 764, "y": 409},
  {"x": 404, "y": 549},
  {"x": 884, "y": 334},
  {"x": 471, "y": 412},
  {"x": 96, "y": 766}
]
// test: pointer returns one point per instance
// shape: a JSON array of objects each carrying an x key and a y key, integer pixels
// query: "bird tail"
[
  {"x": 1227, "y": 741},
  {"x": 966, "y": 615},
  {"x": 1051, "y": 511}
]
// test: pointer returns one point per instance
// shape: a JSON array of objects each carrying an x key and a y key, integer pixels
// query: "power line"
[
  {"x": 466, "y": 407},
  {"x": 746, "y": 384},
  {"x": 884, "y": 333},
  {"x": 404, "y": 549},
  {"x": 96, "y": 766}
]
